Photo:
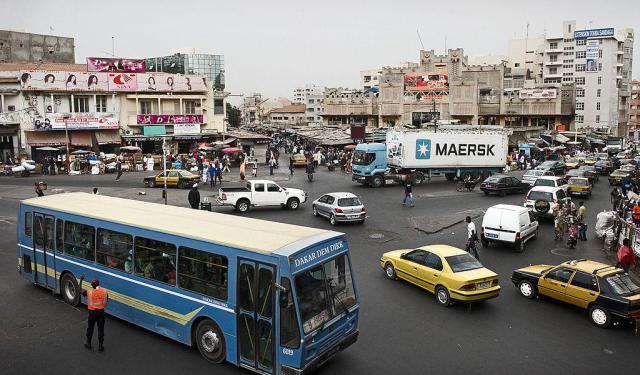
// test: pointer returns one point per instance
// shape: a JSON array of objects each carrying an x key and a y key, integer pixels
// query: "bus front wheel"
[
  {"x": 210, "y": 341},
  {"x": 70, "y": 289}
]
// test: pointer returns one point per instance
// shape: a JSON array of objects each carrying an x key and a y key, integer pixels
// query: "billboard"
[
  {"x": 593, "y": 33},
  {"x": 431, "y": 85},
  {"x": 592, "y": 55},
  {"x": 538, "y": 94},
  {"x": 108, "y": 64},
  {"x": 43, "y": 80},
  {"x": 169, "y": 119},
  {"x": 57, "y": 122},
  {"x": 122, "y": 82},
  {"x": 170, "y": 82}
]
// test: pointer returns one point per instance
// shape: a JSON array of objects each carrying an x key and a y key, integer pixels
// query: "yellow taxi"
[
  {"x": 606, "y": 291},
  {"x": 616, "y": 177},
  {"x": 590, "y": 160},
  {"x": 174, "y": 178},
  {"x": 579, "y": 186},
  {"x": 450, "y": 273},
  {"x": 299, "y": 160},
  {"x": 573, "y": 163}
]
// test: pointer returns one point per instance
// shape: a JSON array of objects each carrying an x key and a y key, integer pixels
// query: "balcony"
[
  {"x": 553, "y": 50},
  {"x": 553, "y": 63},
  {"x": 553, "y": 75}
]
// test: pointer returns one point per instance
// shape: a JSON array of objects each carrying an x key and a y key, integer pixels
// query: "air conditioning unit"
[
  {"x": 11, "y": 108},
  {"x": 128, "y": 132},
  {"x": 49, "y": 109}
]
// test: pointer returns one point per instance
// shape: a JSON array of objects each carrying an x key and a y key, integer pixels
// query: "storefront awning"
[
  {"x": 45, "y": 138},
  {"x": 80, "y": 138},
  {"x": 108, "y": 137}
]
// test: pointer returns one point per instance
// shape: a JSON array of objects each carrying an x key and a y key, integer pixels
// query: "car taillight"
[
  {"x": 363, "y": 211},
  {"x": 518, "y": 236},
  {"x": 338, "y": 209},
  {"x": 468, "y": 287},
  {"x": 224, "y": 197},
  {"x": 494, "y": 282}
]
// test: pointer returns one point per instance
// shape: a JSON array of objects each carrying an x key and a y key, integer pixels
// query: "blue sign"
[
  {"x": 317, "y": 255},
  {"x": 423, "y": 149},
  {"x": 595, "y": 33}
]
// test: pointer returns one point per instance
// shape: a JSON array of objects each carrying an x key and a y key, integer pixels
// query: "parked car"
[
  {"x": 616, "y": 177},
  {"x": 590, "y": 172},
  {"x": 580, "y": 186},
  {"x": 603, "y": 167},
  {"x": 261, "y": 193},
  {"x": 607, "y": 292},
  {"x": 556, "y": 167},
  {"x": 508, "y": 224},
  {"x": 559, "y": 182},
  {"x": 450, "y": 273},
  {"x": 541, "y": 200},
  {"x": 174, "y": 178},
  {"x": 503, "y": 185},
  {"x": 530, "y": 176},
  {"x": 340, "y": 207}
]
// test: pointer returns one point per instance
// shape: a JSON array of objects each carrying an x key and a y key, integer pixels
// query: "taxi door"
[
  {"x": 172, "y": 178},
  {"x": 554, "y": 283},
  {"x": 430, "y": 273},
  {"x": 582, "y": 289},
  {"x": 160, "y": 179},
  {"x": 411, "y": 267}
]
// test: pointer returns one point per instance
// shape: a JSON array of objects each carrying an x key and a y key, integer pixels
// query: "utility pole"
[
  {"x": 67, "y": 162},
  {"x": 164, "y": 168}
]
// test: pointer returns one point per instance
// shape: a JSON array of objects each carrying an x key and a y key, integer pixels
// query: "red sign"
[{"x": 108, "y": 64}]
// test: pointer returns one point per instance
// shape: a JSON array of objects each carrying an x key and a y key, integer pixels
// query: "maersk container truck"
[{"x": 452, "y": 151}]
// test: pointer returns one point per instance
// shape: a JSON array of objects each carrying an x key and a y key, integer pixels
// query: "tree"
[{"x": 233, "y": 116}]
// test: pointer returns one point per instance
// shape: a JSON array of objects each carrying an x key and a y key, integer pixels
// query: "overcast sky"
[{"x": 272, "y": 46}]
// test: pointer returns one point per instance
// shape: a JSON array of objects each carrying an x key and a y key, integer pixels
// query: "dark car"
[
  {"x": 503, "y": 185},
  {"x": 590, "y": 173},
  {"x": 556, "y": 167},
  {"x": 581, "y": 173},
  {"x": 603, "y": 167},
  {"x": 616, "y": 177}
]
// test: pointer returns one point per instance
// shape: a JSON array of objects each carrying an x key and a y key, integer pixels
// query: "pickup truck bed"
[{"x": 234, "y": 189}]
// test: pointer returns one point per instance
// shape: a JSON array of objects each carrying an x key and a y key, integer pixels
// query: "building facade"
[
  {"x": 312, "y": 96},
  {"x": 292, "y": 115},
  {"x": 633, "y": 131},
  {"x": 210, "y": 66},
  {"x": 17, "y": 47}
]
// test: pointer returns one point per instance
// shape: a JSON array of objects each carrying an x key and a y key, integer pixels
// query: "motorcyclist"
[{"x": 310, "y": 170}]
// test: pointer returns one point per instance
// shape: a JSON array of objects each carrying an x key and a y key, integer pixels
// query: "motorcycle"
[
  {"x": 310, "y": 171},
  {"x": 468, "y": 184},
  {"x": 572, "y": 222}
]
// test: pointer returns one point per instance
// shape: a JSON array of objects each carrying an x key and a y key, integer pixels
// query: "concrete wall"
[{"x": 16, "y": 47}]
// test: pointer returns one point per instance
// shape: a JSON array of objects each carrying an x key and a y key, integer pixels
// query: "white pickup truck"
[{"x": 261, "y": 193}]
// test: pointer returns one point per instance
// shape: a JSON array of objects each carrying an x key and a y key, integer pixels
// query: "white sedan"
[{"x": 340, "y": 207}]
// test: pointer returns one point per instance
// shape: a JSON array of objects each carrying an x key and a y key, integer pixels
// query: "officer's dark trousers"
[{"x": 95, "y": 316}]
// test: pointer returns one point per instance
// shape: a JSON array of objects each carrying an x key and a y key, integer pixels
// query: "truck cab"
[{"x": 369, "y": 164}]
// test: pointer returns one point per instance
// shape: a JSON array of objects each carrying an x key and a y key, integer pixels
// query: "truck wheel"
[
  {"x": 70, "y": 290},
  {"x": 450, "y": 176},
  {"x": 242, "y": 206},
  {"x": 417, "y": 178},
  {"x": 293, "y": 203},
  {"x": 377, "y": 181}
]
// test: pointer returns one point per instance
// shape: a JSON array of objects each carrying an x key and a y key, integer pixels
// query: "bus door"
[
  {"x": 43, "y": 250},
  {"x": 256, "y": 334}
]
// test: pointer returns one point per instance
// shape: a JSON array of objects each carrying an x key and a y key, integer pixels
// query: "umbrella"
[
  {"x": 47, "y": 148},
  {"x": 218, "y": 143},
  {"x": 130, "y": 148},
  {"x": 81, "y": 152},
  {"x": 205, "y": 148},
  {"x": 349, "y": 147},
  {"x": 231, "y": 150}
]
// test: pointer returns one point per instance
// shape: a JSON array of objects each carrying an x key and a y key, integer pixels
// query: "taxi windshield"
[{"x": 324, "y": 292}]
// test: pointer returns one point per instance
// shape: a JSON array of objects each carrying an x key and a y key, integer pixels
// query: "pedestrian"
[
  {"x": 212, "y": 173},
  {"x": 291, "y": 165},
  {"x": 95, "y": 191},
  {"x": 194, "y": 197},
  {"x": 408, "y": 193},
  {"x": 521, "y": 162},
  {"x": 272, "y": 165},
  {"x": 254, "y": 170},
  {"x": 204, "y": 172},
  {"x": 558, "y": 221},
  {"x": 616, "y": 197},
  {"x": 242, "y": 171},
  {"x": 118, "y": 168},
  {"x": 52, "y": 165},
  {"x": 219, "y": 172},
  {"x": 626, "y": 257},
  {"x": 472, "y": 237},
  {"x": 39, "y": 189},
  {"x": 582, "y": 223},
  {"x": 635, "y": 213},
  {"x": 97, "y": 299},
  {"x": 225, "y": 163}
]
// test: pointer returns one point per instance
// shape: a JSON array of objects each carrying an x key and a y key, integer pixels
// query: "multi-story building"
[
  {"x": 290, "y": 115},
  {"x": 210, "y": 66},
  {"x": 599, "y": 63},
  {"x": 634, "y": 112},
  {"x": 18, "y": 47},
  {"x": 250, "y": 110},
  {"x": 369, "y": 78},
  {"x": 312, "y": 96}
]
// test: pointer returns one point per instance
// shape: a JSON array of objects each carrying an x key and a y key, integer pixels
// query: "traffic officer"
[{"x": 96, "y": 303}]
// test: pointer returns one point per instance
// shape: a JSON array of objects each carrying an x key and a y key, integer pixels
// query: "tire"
[
  {"x": 486, "y": 192},
  {"x": 417, "y": 178},
  {"x": 361, "y": 222},
  {"x": 210, "y": 341},
  {"x": 484, "y": 243},
  {"x": 377, "y": 181},
  {"x": 600, "y": 316},
  {"x": 70, "y": 290},
  {"x": 390, "y": 271},
  {"x": 293, "y": 203},
  {"x": 242, "y": 206},
  {"x": 519, "y": 246},
  {"x": 152, "y": 183},
  {"x": 460, "y": 187},
  {"x": 315, "y": 211},
  {"x": 526, "y": 289},
  {"x": 442, "y": 296},
  {"x": 332, "y": 220},
  {"x": 181, "y": 185},
  {"x": 503, "y": 193},
  {"x": 450, "y": 176}
]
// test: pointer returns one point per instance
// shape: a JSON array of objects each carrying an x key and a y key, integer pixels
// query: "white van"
[{"x": 510, "y": 224}]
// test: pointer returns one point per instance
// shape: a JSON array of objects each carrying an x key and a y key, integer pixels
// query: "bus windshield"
[{"x": 325, "y": 291}]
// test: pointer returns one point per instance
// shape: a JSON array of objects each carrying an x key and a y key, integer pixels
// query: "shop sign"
[
  {"x": 186, "y": 129},
  {"x": 57, "y": 122},
  {"x": 154, "y": 130},
  {"x": 169, "y": 119}
]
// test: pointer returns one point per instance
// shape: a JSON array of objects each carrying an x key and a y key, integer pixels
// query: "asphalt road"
[{"x": 403, "y": 330}]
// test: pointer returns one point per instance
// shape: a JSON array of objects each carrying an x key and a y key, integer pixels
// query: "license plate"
[
  {"x": 353, "y": 216},
  {"x": 491, "y": 235},
  {"x": 483, "y": 285}
]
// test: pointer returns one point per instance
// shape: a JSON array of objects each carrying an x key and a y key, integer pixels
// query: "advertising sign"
[
  {"x": 57, "y": 122},
  {"x": 122, "y": 82},
  {"x": 594, "y": 33},
  {"x": 169, "y": 119},
  {"x": 538, "y": 94},
  {"x": 186, "y": 129},
  {"x": 86, "y": 82},
  {"x": 43, "y": 80},
  {"x": 107, "y": 64},
  {"x": 162, "y": 82},
  {"x": 592, "y": 55},
  {"x": 430, "y": 86}
]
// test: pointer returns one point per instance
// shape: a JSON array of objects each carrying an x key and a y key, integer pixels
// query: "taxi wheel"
[
  {"x": 210, "y": 341},
  {"x": 527, "y": 289},
  {"x": 152, "y": 184},
  {"x": 390, "y": 271},
  {"x": 442, "y": 296},
  {"x": 599, "y": 316}
]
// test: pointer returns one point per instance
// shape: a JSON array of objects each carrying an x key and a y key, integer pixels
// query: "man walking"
[
  {"x": 96, "y": 303},
  {"x": 194, "y": 197},
  {"x": 582, "y": 224},
  {"x": 408, "y": 194},
  {"x": 212, "y": 174},
  {"x": 291, "y": 165},
  {"x": 472, "y": 237},
  {"x": 118, "y": 168},
  {"x": 616, "y": 197}
]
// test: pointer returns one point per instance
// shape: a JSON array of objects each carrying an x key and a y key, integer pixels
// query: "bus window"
[
  {"x": 114, "y": 249},
  {"x": 39, "y": 231},
  {"x": 289, "y": 331},
  {"x": 155, "y": 260},
  {"x": 202, "y": 272},
  {"x": 59, "y": 234},
  {"x": 79, "y": 240},
  {"x": 28, "y": 223}
]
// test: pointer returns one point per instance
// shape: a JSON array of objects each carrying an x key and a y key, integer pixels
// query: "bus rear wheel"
[
  {"x": 70, "y": 290},
  {"x": 210, "y": 341}
]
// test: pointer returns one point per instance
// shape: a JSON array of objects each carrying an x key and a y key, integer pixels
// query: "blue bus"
[{"x": 270, "y": 297}]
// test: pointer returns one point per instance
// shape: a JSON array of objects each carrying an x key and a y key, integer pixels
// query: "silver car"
[
  {"x": 340, "y": 207},
  {"x": 530, "y": 176}
]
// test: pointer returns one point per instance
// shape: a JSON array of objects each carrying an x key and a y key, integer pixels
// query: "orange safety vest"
[
  {"x": 97, "y": 299},
  {"x": 636, "y": 212}
]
